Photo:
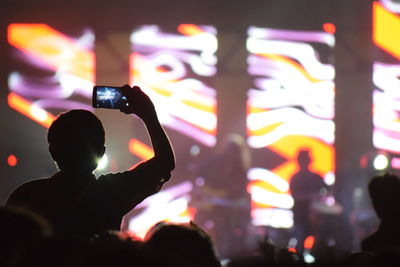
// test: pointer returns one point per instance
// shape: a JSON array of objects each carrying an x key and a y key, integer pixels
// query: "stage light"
[
  {"x": 102, "y": 162},
  {"x": 329, "y": 178},
  {"x": 12, "y": 160},
  {"x": 308, "y": 258},
  {"x": 329, "y": 27},
  {"x": 381, "y": 162},
  {"x": 395, "y": 163},
  {"x": 309, "y": 242},
  {"x": 195, "y": 150}
]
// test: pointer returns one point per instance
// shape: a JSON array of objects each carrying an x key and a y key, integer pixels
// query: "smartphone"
[{"x": 108, "y": 97}]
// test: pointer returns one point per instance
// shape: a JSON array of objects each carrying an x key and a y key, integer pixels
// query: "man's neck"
[{"x": 75, "y": 174}]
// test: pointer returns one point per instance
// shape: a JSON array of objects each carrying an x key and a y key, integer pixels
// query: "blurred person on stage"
[
  {"x": 305, "y": 187},
  {"x": 222, "y": 201}
]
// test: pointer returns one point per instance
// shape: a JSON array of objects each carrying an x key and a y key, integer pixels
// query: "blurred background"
[{"x": 241, "y": 88}]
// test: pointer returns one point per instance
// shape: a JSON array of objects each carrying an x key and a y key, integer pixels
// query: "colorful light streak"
[
  {"x": 56, "y": 50},
  {"x": 71, "y": 61},
  {"x": 172, "y": 69},
  {"x": 141, "y": 150},
  {"x": 161, "y": 65},
  {"x": 290, "y": 108},
  {"x": 171, "y": 204},
  {"x": 28, "y": 109}
]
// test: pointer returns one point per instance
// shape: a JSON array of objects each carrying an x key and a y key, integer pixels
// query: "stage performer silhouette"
[{"x": 305, "y": 187}]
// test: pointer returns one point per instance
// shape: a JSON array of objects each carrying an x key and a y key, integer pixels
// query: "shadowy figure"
[
  {"x": 270, "y": 255},
  {"x": 184, "y": 245},
  {"x": 359, "y": 259},
  {"x": 305, "y": 187},
  {"x": 19, "y": 232},
  {"x": 73, "y": 200},
  {"x": 385, "y": 195}
]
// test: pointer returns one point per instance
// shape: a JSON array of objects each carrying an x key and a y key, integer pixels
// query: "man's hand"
[{"x": 138, "y": 102}]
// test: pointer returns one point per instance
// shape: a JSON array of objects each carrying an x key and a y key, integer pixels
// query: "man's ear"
[
  {"x": 53, "y": 152},
  {"x": 100, "y": 152}
]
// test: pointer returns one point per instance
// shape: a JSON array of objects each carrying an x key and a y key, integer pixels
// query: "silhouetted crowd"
[{"x": 28, "y": 240}]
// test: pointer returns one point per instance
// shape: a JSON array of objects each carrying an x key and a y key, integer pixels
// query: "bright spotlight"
[
  {"x": 329, "y": 178},
  {"x": 102, "y": 162},
  {"x": 381, "y": 162},
  {"x": 308, "y": 258}
]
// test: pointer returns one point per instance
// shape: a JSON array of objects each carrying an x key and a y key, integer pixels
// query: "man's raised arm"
[{"x": 141, "y": 105}]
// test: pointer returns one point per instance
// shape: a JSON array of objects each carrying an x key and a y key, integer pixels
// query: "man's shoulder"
[
  {"x": 25, "y": 190},
  {"x": 34, "y": 184},
  {"x": 140, "y": 178}
]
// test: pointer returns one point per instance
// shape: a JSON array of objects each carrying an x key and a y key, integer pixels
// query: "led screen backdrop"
[
  {"x": 174, "y": 67},
  {"x": 386, "y": 73},
  {"x": 290, "y": 108},
  {"x": 52, "y": 71}
]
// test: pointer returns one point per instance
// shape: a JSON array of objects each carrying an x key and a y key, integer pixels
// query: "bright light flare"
[
  {"x": 171, "y": 204},
  {"x": 381, "y": 162},
  {"x": 103, "y": 162},
  {"x": 31, "y": 111}
]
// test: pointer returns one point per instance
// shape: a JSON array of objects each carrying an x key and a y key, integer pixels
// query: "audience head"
[
  {"x": 181, "y": 245},
  {"x": 385, "y": 195},
  {"x": 76, "y": 141},
  {"x": 19, "y": 231}
]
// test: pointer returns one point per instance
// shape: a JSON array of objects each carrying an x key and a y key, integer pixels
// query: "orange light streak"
[
  {"x": 292, "y": 63},
  {"x": 265, "y": 130},
  {"x": 189, "y": 29},
  {"x": 141, "y": 150},
  {"x": 323, "y": 154},
  {"x": 57, "y": 50},
  {"x": 266, "y": 186},
  {"x": 28, "y": 109},
  {"x": 309, "y": 242},
  {"x": 199, "y": 106}
]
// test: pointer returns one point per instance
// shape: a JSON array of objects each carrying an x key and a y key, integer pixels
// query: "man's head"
[
  {"x": 181, "y": 245},
  {"x": 76, "y": 141}
]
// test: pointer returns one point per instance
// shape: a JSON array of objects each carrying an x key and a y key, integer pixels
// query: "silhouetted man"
[
  {"x": 385, "y": 195},
  {"x": 305, "y": 187},
  {"x": 73, "y": 200}
]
